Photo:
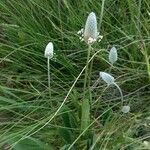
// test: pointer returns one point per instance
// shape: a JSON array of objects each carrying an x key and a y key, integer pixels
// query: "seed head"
[
  {"x": 113, "y": 56},
  {"x": 90, "y": 30},
  {"x": 107, "y": 78},
  {"x": 90, "y": 34},
  {"x": 49, "y": 50},
  {"x": 125, "y": 109}
]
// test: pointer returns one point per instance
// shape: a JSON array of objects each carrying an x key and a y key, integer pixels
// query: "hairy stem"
[
  {"x": 85, "y": 116},
  {"x": 48, "y": 74},
  {"x": 119, "y": 91},
  {"x": 86, "y": 72},
  {"x": 90, "y": 72},
  {"x": 147, "y": 64}
]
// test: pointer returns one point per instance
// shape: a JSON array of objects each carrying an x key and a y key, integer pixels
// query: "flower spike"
[
  {"x": 49, "y": 50},
  {"x": 90, "y": 34}
]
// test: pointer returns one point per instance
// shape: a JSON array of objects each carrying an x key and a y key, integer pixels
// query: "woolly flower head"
[
  {"x": 89, "y": 34},
  {"x": 49, "y": 50},
  {"x": 113, "y": 56},
  {"x": 125, "y": 109},
  {"x": 107, "y": 78}
]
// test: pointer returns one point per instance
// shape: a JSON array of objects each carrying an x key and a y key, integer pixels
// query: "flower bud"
[
  {"x": 90, "y": 30},
  {"x": 125, "y": 109},
  {"x": 113, "y": 56},
  {"x": 107, "y": 78},
  {"x": 49, "y": 50},
  {"x": 89, "y": 33}
]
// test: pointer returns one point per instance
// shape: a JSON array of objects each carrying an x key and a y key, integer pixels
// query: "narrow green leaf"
[
  {"x": 85, "y": 118},
  {"x": 69, "y": 118},
  {"x": 29, "y": 144},
  {"x": 66, "y": 135}
]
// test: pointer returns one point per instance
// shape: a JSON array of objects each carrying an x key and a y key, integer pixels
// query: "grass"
[{"x": 29, "y": 119}]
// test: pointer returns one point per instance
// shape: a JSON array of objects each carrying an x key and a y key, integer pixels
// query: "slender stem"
[
  {"x": 86, "y": 71},
  {"x": 102, "y": 12},
  {"x": 111, "y": 67},
  {"x": 48, "y": 74},
  {"x": 95, "y": 84},
  {"x": 85, "y": 117},
  {"x": 147, "y": 64},
  {"x": 119, "y": 91},
  {"x": 100, "y": 95},
  {"x": 89, "y": 80},
  {"x": 90, "y": 72}
]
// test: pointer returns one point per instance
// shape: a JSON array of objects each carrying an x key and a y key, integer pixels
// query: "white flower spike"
[
  {"x": 113, "y": 56},
  {"x": 89, "y": 34},
  {"x": 90, "y": 31},
  {"x": 107, "y": 78},
  {"x": 49, "y": 50},
  {"x": 125, "y": 109}
]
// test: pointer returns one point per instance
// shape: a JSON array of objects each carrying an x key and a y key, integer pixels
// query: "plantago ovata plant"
[
  {"x": 109, "y": 79},
  {"x": 90, "y": 35},
  {"x": 49, "y": 55}
]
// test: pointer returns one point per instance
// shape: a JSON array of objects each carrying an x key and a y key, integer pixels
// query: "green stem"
[
  {"x": 90, "y": 71},
  {"x": 102, "y": 12},
  {"x": 89, "y": 80},
  {"x": 119, "y": 91},
  {"x": 85, "y": 116},
  {"x": 86, "y": 72},
  {"x": 147, "y": 64}
]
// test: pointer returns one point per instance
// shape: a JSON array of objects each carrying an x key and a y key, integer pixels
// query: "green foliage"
[
  {"x": 29, "y": 144},
  {"x": 25, "y": 107},
  {"x": 85, "y": 120}
]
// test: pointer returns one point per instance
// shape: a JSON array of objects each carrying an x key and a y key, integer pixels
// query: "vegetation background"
[{"x": 27, "y": 114}]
